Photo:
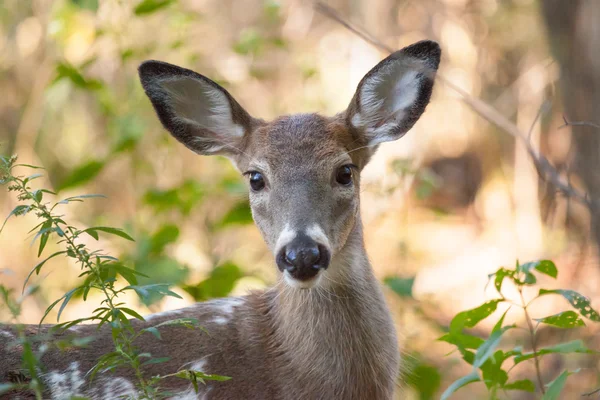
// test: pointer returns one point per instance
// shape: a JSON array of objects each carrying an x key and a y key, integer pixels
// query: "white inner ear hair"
[
  {"x": 385, "y": 97},
  {"x": 197, "y": 103}
]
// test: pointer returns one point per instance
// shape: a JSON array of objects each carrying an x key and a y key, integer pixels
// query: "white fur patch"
[
  {"x": 315, "y": 232},
  {"x": 67, "y": 384},
  {"x": 7, "y": 334},
  {"x": 70, "y": 383},
  {"x": 226, "y": 305},
  {"x": 220, "y": 320},
  {"x": 285, "y": 237},
  {"x": 302, "y": 284}
]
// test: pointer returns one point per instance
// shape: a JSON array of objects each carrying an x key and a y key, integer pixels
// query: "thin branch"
[
  {"x": 578, "y": 123},
  {"x": 544, "y": 168},
  {"x": 533, "y": 343},
  {"x": 366, "y": 36}
]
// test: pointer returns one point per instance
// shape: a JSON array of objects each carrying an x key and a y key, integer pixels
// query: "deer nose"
[{"x": 302, "y": 258}]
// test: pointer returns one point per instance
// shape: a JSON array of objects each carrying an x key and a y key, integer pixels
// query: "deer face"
[{"x": 303, "y": 170}]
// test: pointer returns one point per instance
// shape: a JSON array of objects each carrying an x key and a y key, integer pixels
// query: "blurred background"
[{"x": 444, "y": 207}]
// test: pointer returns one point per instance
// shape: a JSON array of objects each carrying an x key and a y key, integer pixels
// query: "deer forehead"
[{"x": 299, "y": 143}]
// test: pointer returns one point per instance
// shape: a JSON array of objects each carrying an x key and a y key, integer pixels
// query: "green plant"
[
  {"x": 485, "y": 357},
  {"x": 100, "y": 272}
]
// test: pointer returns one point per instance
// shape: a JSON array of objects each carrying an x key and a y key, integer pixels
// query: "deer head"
[{"x": 303, "y": 170}]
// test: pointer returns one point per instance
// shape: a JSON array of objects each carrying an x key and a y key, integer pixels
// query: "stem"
[
  {"x": 533, "y": 342},
  {"x": 126, "y": 341}
]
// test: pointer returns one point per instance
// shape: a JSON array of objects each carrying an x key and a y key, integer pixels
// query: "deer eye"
[
  {"x": 343, "y": 175},
  {"x": 257, "y": 182}
]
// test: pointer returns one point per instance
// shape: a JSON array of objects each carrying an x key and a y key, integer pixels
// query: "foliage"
[
  {"x": 484, "y": 355},
  {"x": 100, "y": 271}
]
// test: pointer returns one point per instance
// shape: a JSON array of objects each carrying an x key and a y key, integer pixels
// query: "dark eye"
[
  {"x": 257, "y": 182},
  {"x": 344, "y": 175}
]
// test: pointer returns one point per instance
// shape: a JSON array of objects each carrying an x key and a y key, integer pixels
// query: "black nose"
[{"x": 302, "y": 258}]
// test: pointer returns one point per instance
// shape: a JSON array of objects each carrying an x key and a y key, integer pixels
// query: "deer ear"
[
  {"x": 194, "y": 109},
  {"x": 394, "y": 94}
]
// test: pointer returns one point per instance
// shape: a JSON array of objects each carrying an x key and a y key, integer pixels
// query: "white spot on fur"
[
  {"x": 316, "y": 233},
  {"x": 302, "y": 284},
  {"x": 357, "y": 121},
  {"x": 118, "y": 388},
  {"x": 65, "y": 385},
  {"x": 220, "y": 320},
  {"x": 226, "y": 305},
  {"x": 190, "y": 394},
  {"x": 199, "y": 365},
  {"x": 7, "y": 334},
  {"x": 285, "y": 237}
]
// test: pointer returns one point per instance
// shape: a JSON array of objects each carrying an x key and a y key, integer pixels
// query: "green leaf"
[
  {"x": 470, "y": 318},
  {"x": 426, "y": 379},
  {"x": 402, "y": 286},
  {"x": 567, "y": 319},
  {"x": 82, "y": 174},
  {"x": 492, "y": 373},
  {"x": 156, "y": 360},
  {"x": 578, "y": 301},
  {"x": 165, "y": 235},
  {"x": 108, "y": 229},
  {"x": 544, "y": 266},
  {"x": 240, "y": 214},
  {"x": 575, "y": 346},
  {"x": 67, "y": 71},
  {"x": 67, "y": 297},
  {"x": 132, "y": 313},
  {"x": 523, "y": 384},
  {"x": 201, "y": 375},
  {"x": 38, "y": 267},
  {"x": 44, "y": 237},
  {"x": 153, "y": 331},
  {"x": 249, "y": 42},
  {"x": 462, "y": 340},
  {"x": 150, "y": 6},
  {"x": 464, "y": 381},
  {"x": 18, "y": 210},
  {"x": 147, "y": 290},
  {"x": 220, "y": 283},
  {"x": 129, "y": 274},
  {"x": 91, "y": 5},
  {"x": 556, "y": 386},
  {"x": 31, "y": 177},
  {"x": 499, "y": 276},
  {"x": 487, "y": 348},
  {"x": 186, "y": 322}
]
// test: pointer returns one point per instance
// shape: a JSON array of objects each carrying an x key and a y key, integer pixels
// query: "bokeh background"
[{"x": 444, "y": 207}]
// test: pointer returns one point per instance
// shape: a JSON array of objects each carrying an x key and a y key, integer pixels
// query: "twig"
[
  {"x": 544, "y": 168},
  {"x": 533, "y": 343},
  {"x": 591, "y": 393},
  {"x": 578, "y": 123}
]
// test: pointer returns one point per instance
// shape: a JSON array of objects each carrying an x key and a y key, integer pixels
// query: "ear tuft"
[
  {"x": 394, "y": 94},
  {"x": 195, "y": 110}
]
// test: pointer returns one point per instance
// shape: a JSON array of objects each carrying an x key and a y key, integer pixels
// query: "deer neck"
[{"x": 339, "y": 330}]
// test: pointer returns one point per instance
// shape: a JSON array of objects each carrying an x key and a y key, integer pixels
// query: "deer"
[{"x": 323, "y": 330}]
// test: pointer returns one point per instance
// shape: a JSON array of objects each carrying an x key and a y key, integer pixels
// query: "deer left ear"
[{"x": 394, "y": 94}]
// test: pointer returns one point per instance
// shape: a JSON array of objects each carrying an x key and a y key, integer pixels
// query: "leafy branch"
[
  {"x": 100, "y": 271},
  {"x": 482, "y": 354}
]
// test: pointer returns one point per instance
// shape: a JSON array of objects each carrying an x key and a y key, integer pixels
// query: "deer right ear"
[
  {"x": 194, "y": 109},
  {"x": 394, "y": 94}
]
